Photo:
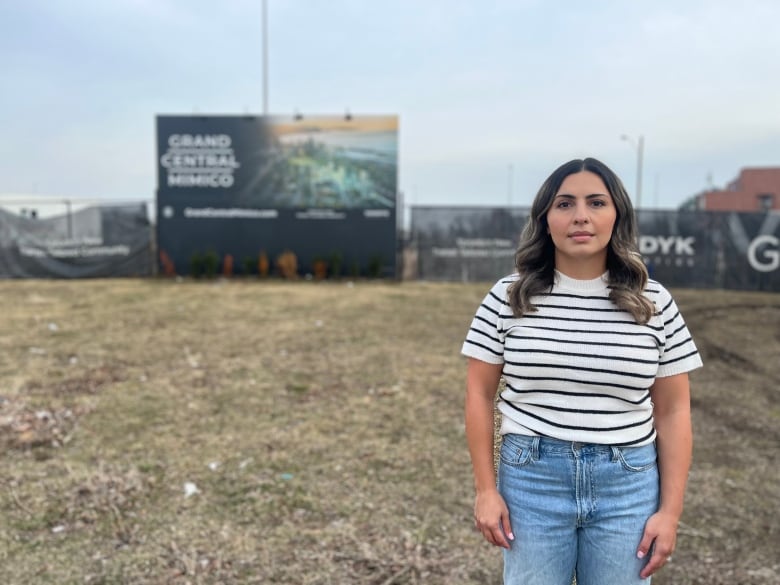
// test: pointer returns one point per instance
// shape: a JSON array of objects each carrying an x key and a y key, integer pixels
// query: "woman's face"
[{"x": 580, "y": 223}]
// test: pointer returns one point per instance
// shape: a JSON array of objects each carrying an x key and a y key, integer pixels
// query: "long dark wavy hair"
[{"x": 535, "y": 256}]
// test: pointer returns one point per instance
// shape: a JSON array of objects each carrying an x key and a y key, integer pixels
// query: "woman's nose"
[{"x": 581, "y": 214}]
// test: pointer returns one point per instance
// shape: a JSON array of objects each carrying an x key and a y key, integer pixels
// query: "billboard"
[
  {"x": 692, "y": 249},
  {"x": 316, "y": 186},
  {"x": 98, "y": 241}
]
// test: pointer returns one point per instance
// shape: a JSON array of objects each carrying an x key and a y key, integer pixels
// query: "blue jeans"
[{"x": 576, "y": 508}]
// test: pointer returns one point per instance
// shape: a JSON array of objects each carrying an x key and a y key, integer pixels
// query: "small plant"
[
  {"x": 336, "y": 261},
  {"x": 287, "y": 264},
  {"x": 375, "y": 266},
  {"x": 249, "y": 265},
  {"x": 196, "y": 265},
  {"x": 354, "y": 269},
  {"x": 210, "y": 264},
  {"x": 169, "y": 269},
  {"x": 320, "y": 267},
  {"x": 227, "y": 266},
  {"x": 263, "y": 265}
]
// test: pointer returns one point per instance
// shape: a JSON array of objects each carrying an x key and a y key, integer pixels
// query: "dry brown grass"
[{"x": 321, "y": 425}]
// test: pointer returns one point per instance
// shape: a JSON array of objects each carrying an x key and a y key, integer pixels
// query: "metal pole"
[
  {"x": 509, "y": 185},
  {"x": 640, "y": 149},
  {"x": 640, "y": 152},
  {"x": 265, "y": 57},
  {"x": 70, "y": 219}
]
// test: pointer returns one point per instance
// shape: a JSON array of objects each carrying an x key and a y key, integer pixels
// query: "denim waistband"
[{"x": 557, "y": 446}]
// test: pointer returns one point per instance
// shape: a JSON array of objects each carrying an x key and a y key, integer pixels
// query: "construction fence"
[{"x": 687, "y": 249}]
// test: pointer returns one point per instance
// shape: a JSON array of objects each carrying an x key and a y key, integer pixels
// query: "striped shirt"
[{"x": 580, "y": 369}]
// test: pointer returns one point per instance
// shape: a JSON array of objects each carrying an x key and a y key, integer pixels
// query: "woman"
[{"x": 595, "y": 413}]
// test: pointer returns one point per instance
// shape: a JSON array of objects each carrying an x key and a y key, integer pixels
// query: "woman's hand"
[
  {"x": 491, "y": 517},
  {"x": 660, "y": 536}
]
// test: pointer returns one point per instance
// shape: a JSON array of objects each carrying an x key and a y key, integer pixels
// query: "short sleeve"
[
  {"x": 485, "y": 338},
  {"x": 679, "y": 353}
]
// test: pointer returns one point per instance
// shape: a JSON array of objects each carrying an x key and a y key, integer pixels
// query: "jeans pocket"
[
  {"x": 515, "y": 451},
  {"x": 637, "y": 459}
]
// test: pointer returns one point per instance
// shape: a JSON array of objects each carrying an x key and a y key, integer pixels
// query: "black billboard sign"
[{"x": 239, "y": 185}]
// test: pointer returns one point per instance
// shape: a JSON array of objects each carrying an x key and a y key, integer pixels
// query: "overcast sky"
[{"x": 492, "y": 95}]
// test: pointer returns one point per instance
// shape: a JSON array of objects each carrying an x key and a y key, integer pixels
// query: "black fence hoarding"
[
  {"x": 465, "y": 243},
  {"x": 691, "y": 249},
  {"x": 98, "y": 241},
  {"x": 709, "y": 249},
  {"x": 242, "y": 185}
]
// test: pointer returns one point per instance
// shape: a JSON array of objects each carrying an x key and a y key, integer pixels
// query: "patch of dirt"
[
  {"x": 89, "y": 382},
  {"x": 24, "y": 428},
  {"x": 25, "y": 424}
]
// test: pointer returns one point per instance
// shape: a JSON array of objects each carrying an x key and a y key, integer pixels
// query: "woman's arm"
[
  {"x": 672, "y": 414},
  {"x": 491, "y": 515}
]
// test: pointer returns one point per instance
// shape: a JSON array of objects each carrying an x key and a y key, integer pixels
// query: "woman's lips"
[{"x": 581, "y": 236}]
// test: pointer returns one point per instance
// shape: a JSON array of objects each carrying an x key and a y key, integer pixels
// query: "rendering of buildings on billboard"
[{"x": 316, "y": 185}]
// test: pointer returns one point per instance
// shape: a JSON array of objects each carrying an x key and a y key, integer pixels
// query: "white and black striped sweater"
[{"x": 580, "y": 369}]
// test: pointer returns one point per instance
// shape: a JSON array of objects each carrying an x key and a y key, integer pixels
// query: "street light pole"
[
  {"x": 70, "y": 218},
  {"x": 509, "y": 185},
  {"x": 265, "y": 57},
  {"x": 640, "y": 153}
]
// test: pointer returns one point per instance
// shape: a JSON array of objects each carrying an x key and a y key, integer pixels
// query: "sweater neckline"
[{"x": 567, "y": 282}]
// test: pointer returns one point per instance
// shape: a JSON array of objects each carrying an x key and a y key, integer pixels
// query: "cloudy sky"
[{"x": 491, "y": 94}]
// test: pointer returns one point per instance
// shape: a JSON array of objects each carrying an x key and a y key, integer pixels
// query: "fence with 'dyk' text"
[{"x": 696, "y": 249}]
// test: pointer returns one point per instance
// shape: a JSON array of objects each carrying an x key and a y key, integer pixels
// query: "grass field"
[{"x": 312, "y": 433}]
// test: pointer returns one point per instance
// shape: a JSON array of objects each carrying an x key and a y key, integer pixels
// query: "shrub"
[
  {"x": 375, "y": 266},
  {"x": 210, "y": 264},
  {"x": 197, "y": 265},
  {"x": 263, "y": 265},
  {"x": 320, "y": 268},
  {"x": 287, "y": 264},
  {"x": 354, "y": 269},
  {"x": 249, "y": 265},
  {"x": 336, "y": 261},
  {"x": 168, "y": 267},
  {"x": 227, "y": 266}
]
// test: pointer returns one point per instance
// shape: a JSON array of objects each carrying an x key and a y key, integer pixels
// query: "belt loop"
[
  {"x": 615, "y": 453},
  {"x": 535, "y": 448}
]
